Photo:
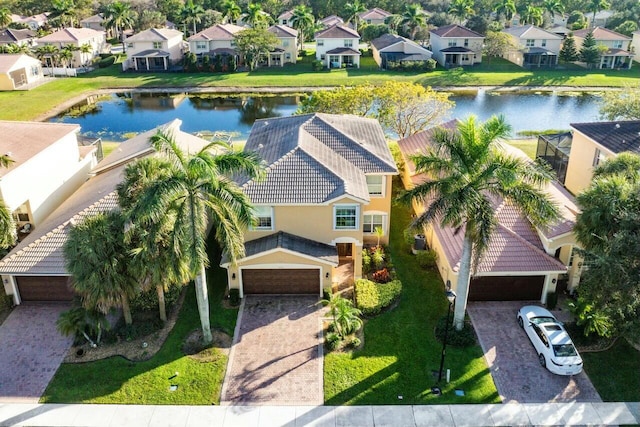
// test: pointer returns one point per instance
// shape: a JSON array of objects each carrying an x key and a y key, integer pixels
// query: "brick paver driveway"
[
  {"x": 276, "y": 356},
  {"x": 31, "y": 350},
  {"x": 514, "y": 363}
]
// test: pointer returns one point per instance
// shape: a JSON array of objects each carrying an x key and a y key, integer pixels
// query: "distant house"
[
  {"x": 393, "y": 48},
  {"x": 617, "y": 54},
  {"x": 330, "y": 21},
  {"x": 155, "y": 49},
  {"x": 601, "y": 18},
  {"x": 635, "y": 46},
  {"x": 33, "y": 22},
  {"x": 455, "y": 46},
  {"x": 76, "y": 38},
  {"x": 375, "y": 16},
  {"x": 216, "y": 40},
  {"x": 536, "y": 48},
  {"x": 19, "y": 71},
  {"x": 560, "y": 30},
  {"x": 287, "y": 50},
  {"x": 285, "y": 18},
  {"x": 9, "y": 36},
  {"x": 337, "y": 46},
  {"x": 95, "y": 22}
]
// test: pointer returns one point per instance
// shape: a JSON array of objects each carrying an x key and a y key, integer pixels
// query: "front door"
[{"x": 344, "y": 250}]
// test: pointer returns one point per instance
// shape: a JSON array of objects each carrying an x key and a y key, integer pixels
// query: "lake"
[{"x": 116, "y": 117}]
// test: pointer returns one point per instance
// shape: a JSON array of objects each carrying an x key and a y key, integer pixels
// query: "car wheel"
[
  {"x": 520, "y": 322},
  {"x": 542, "y": 360}
]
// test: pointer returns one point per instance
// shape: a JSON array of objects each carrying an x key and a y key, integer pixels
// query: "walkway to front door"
[{"x": 276, "y": 358}]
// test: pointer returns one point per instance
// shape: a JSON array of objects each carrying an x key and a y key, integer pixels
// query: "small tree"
[
  {"x": 497, "y": 44},
  {"x": 569, "y": 51},
  {"x": 589, "y": 52},
  {"x": 621, "y": 105},
  {"x": 253, "y": 43},
  {"x": 81, "y": 322}
]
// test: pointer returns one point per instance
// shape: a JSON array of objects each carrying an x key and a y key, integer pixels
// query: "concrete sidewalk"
[{"x": 538, "y": 414}]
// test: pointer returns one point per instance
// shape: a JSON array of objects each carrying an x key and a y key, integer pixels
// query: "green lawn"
[
  {"x": 615, "y": 373},
  {"x": 116, "y": 380},
  {"x": 528, "y": 146},
  {"x": 400, "y": 348}
]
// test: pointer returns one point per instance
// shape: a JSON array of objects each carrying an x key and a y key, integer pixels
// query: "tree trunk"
[
  {"x": 126, "y": 310},
  {"x": 203, "y": 305},
  {"x": 462, "y": 290},
  {"x": 194, "y": 27},
  {"x": 161, "y": 304}
]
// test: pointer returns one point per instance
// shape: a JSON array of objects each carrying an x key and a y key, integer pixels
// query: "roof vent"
[
  {"x": 617, "y": 125},
  {"x": 9, "y": 154},
  {"x": 260, "y": 146}
]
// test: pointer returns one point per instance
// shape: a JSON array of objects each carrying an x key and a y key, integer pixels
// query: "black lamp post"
[{"x": 451, "y": 296}]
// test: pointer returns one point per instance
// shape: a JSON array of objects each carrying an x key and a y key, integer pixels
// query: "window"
[
  {"x": 287, "y": 56},
  {"x": 375, "y": 185},
  {"x": 284, "y": 22},
  {"x": 544, "y": 43},
  {"x": 345, "y": 217},
  {"x": 466, "y": 42},
  {"x": 598, "y": 157},
  {"x": 201, "y": 45},
  {"x": 368, "y": 21},
  {"x": 571, "y": 255},
  {"x": 322, "y": 57},
  {"x": 319, "y": 42},
  {"x": 531, "y": 43},
  {"x": 157, "y": 45},
  {"x": 617, "y": 44},
  {"x": 130, "y": 45},
  {"x": 371, "y": 222},
  {"x": 233, "y": 43},
  {"x": 285, "y": 43},
  {"x": 453, "y": 43},
  {"x": 264, "y": 218},
  {"x": 348, "y": 43}
]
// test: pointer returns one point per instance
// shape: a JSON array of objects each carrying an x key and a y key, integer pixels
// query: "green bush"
[
  {"x": 107, "y": 62},
  {"x": 234, "y": 297},
  {"x": 372, "y": 298},
  {"x": 148, "y": 301},
  {"x": 427, "y": 259},
  {"x": 317, "y": 65},
  {"x": 366, "y": 261},
  {"x": 419, "y": 66},
  {"x": 333, "y": 340},
  {"x": 355, "y": 342},
  {"x": 463, "y": 338}
]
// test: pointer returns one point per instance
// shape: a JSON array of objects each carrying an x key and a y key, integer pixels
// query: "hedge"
[
  {"x": 373, "y": 297},
  {"x": 107, "y": 62}
]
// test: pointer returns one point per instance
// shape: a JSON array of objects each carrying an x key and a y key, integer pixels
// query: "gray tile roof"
[
  {"x": 154, "y": 34},
  {"x": 456, "y": 31},
  {"x": 337, "y": 31},
  {"x": 530, "y": 32},
  {"x": 617, "y": 137},
  {"x": 375, "y": 13},
  {"x": 386, "y": 40},
  {"x": 10, "y": 35},
  {"x": 315, "y": 158},
  {"x": 291, "y": 242},
  {"x": 343, "y": 51},
  {"x": 151, "y": 53},
  {"x": 283, "y": 31},
  {"x": 600, "y": 33}
]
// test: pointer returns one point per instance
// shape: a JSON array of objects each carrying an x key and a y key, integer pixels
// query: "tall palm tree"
[
  {"x": 119, "y": 15},
  {"x": 49, "y": 52},
  {"x": 8, "y": 234},
  {"x": 302, "y": 19},
  {"x": 255, "y": 16},
  {"x": 197, "y": 189},
  {"x": 471, "y": 171},
  {"x": 553, "y": 7},
  {"x": 101, "y": 270},
  {"x": 506, "y": 8},
  {"x": 394, "y": 22},
  {"x": 414, "y": 17},
  {"x": 192, "y": 13},
  {"x": 5, "y": 17},
  {"x": 64, "y": 10},
  {"x": 231, "y": 11},
  {"x": 532, "y": 15},
  {"x": 353, "y": 10},
  {"x": 461, "y": 9},
  {"x": 595, "y": 6}
]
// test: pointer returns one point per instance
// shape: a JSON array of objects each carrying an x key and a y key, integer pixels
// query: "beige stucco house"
[
  {"x": 535, "y": 47},
  {"x": 10, "y": 36},
  {"x": 635, "y": 46},
  {"x": 522, "y": 262},
  {"x": 375, "y": 16},
  {"x": 285, "y": 18},
  {"x": 338, "y": 46},
  {"x": 394, "y": 48},
  {"x": 327, "y": 187},
  {"x": 75, "y": 37},
  {"x": 216, "y": 40},
  {"x": 33, "y": 22},
  {"x": 155, "y": 49},
  {"x": 455, "y": 46},
  {"x": 617, "y": 54},
  {"x": 286, "y": 52},
  {"x": 19, "y": 72},
  {"x": 95, "y": 22}
]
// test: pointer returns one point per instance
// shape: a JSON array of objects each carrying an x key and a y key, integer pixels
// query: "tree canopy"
[
  {"x": 621, "y": 105},
  {"x": 254, "y": 43}
]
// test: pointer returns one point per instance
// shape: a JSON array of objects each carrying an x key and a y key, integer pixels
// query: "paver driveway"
[
  {"x": 276, "y": 356},
  {"x": 31, "y": 350},
  {"x": 513, "y": 361}
]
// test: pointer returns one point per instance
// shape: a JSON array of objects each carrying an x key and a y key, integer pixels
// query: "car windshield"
[
  {"x": 542, "y": 319},
  {"x": 564, "y": 350}
]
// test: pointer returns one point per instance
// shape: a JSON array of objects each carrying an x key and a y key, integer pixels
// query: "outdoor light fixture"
[
  {"x": 326, "y": 275},
  {"x": 451, "y": 297},
  {"x": 233, "y": 276}
]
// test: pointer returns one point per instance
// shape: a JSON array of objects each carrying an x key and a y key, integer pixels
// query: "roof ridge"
[{"x": 529, "y": 244}]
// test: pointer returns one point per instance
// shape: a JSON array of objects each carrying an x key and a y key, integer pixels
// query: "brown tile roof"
[
  {"x": 154, "y": 35},
  {"x": 283, "y": 31},
  {"x": 217, "y": 32},
  {"x": 331, "y": 20},
  {"x": 337, "y": 31},
  {"x": 26, "y": 139},
  {"x": 456, "y": 31},
  {"x": 600, "y": 33},
  {"x": 375, "y": 13},
  {"x": 70, "y": 35}
]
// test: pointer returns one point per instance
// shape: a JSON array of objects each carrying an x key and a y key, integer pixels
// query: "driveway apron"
[
  {"x": 276, "y": 357},
  {"x": 514, "y": 363},
  {"x": 31, "y": 350}
]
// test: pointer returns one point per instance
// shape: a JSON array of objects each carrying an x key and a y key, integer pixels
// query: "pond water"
[{"x": 117, "y": 117}]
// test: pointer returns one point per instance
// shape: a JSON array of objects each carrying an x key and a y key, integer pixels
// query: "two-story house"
[
  {"x": 330, "y": 21},
  {"x": 155, "y": 49},
  {"x": 375, "y": 16},
  {"x": 285, "y": 18},
  {"x": 338, "y": 46},
  {"x": 20, "y": 71},
  {"x": 287, "y": 50},
  {"x": 394, "y": 48},
  {"x": 33, "y": 22},
  {"x": 617, "y": 54},
  {"x": 76, "y": 38},
  {"x": 327, "y": 187},
  {"x": 216, "y": 40},
  {"x": 456, "y": 46},
  {"x": 536, "y": 48},
  {"x": 95, "y": 22},
  {"x": 635, "y": 45},
  {"x": 10, "y": 36}
]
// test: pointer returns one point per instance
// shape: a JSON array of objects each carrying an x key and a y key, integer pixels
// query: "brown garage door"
[
  {"x": 291, "y": 281},
  {"x": 38, "y": 288},
  {"x": 506, "y": 288}
]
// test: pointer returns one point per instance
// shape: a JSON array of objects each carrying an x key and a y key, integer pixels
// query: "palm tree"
[
  {"x": 64, "y": 10},
  {"x": 101, "y": 271},
  {"x": 197, "y": 189},
  {"x": 255, "y": 16},
  {"x": 596, "y": 6},
  {"x": 353, "y": 11},
  {"x": 79, "y": 321},
  {"x": 302, "y": 20},
  {"x": 394, "y": 22},
  {"x": 531, "y": 15},
  {"x": 192, "y": 13},
  {"x": 231, "y": 11},
  {"x": 66, "y": 55},
  {"x": 414, "y": 17},
  {"x": 119, "y": 15},
  {"x": 461, "y": 9},
  {"x": 553, "y": 7},
  {"x": 5, "y": 17},
  {"x": 85, "y": 52},
  {"x": 472, "y": 172},
  {"x": 48, "y": 51},
  {"x": 506, "y": 8}
]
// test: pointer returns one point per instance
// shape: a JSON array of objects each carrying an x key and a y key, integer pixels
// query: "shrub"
[
  {"x": 409, "y": 236},
  {"x": 148, "y": 301},
  {"x": 317, "y": 65},
  {"x": 463, "y": 338},
  {"x": 107, "y": 62},
  {"x": 366, "y": 261},
  {"x": 415, "y": 66},
  {"x": 355, "y": 342},
  {"x": 333, "y": 340},
  {"x": 427, "y": 259},
  {"x": 377, "y": 256},
  {"x": 234, "y": 297},
  {"x": 381, "y": 276},
  {"x": 552, "y": 300},
  {"x": 372, "y": 298}
]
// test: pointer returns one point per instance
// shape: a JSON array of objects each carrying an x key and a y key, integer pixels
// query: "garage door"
[
  {"x": 290, "y": 281},
  {"x": 509, "y": 288},
  {"x": 34, "y": 288}
]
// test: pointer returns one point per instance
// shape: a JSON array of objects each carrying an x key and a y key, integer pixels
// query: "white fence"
[{"x": 59, "y": 72}]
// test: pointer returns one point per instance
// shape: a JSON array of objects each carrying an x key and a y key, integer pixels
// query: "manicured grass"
[
  {"x": 615, "y": 373},
  {"x": 116, "y": 380},
  {"x": 528, "y": 146},
  {"x": 108, "y": 147},
  {"x": 400, "y": 348}
]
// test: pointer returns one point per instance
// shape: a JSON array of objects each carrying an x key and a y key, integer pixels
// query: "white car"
[{"x": 555, "y": 349}]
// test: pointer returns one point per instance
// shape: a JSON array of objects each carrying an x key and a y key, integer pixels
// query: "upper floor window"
[
  {"x": 319, "y": 42},
  {"x": 531, "y": 43},
  {"x": 453, "y": 43},
  {"x": 284, "y": 22},
  {"x": 130, "y": 45},
  {"x": 617, "y": 44},
  {"x": 598, "y": 157},
  {"x": 157, "y": 45},
  {"x": 371, "y": 222},
  {"x": 233, "y": 42},
  {"x": 544, "y": 43},
  {"x": 375, "y": 185},
  {"x": 345, "y": 217},
  {"x": 285, "y": 43},
  {"x": 201, "y": 45},
  {"x": 368, "y": 21},
  {"x": 264, "y": 218},
  {"x": 466, "y": 42},
  {"x": 348, "y": 43}
]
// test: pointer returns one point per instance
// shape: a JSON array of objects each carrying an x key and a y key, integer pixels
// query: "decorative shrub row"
[
  {"x": 427, "y": 259},
  {"x": 107, "y": 62},
  {"x": 373, "y": 297},
  {"x": 428, "y": 65},
  {"x": 463, "y": 338}
]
